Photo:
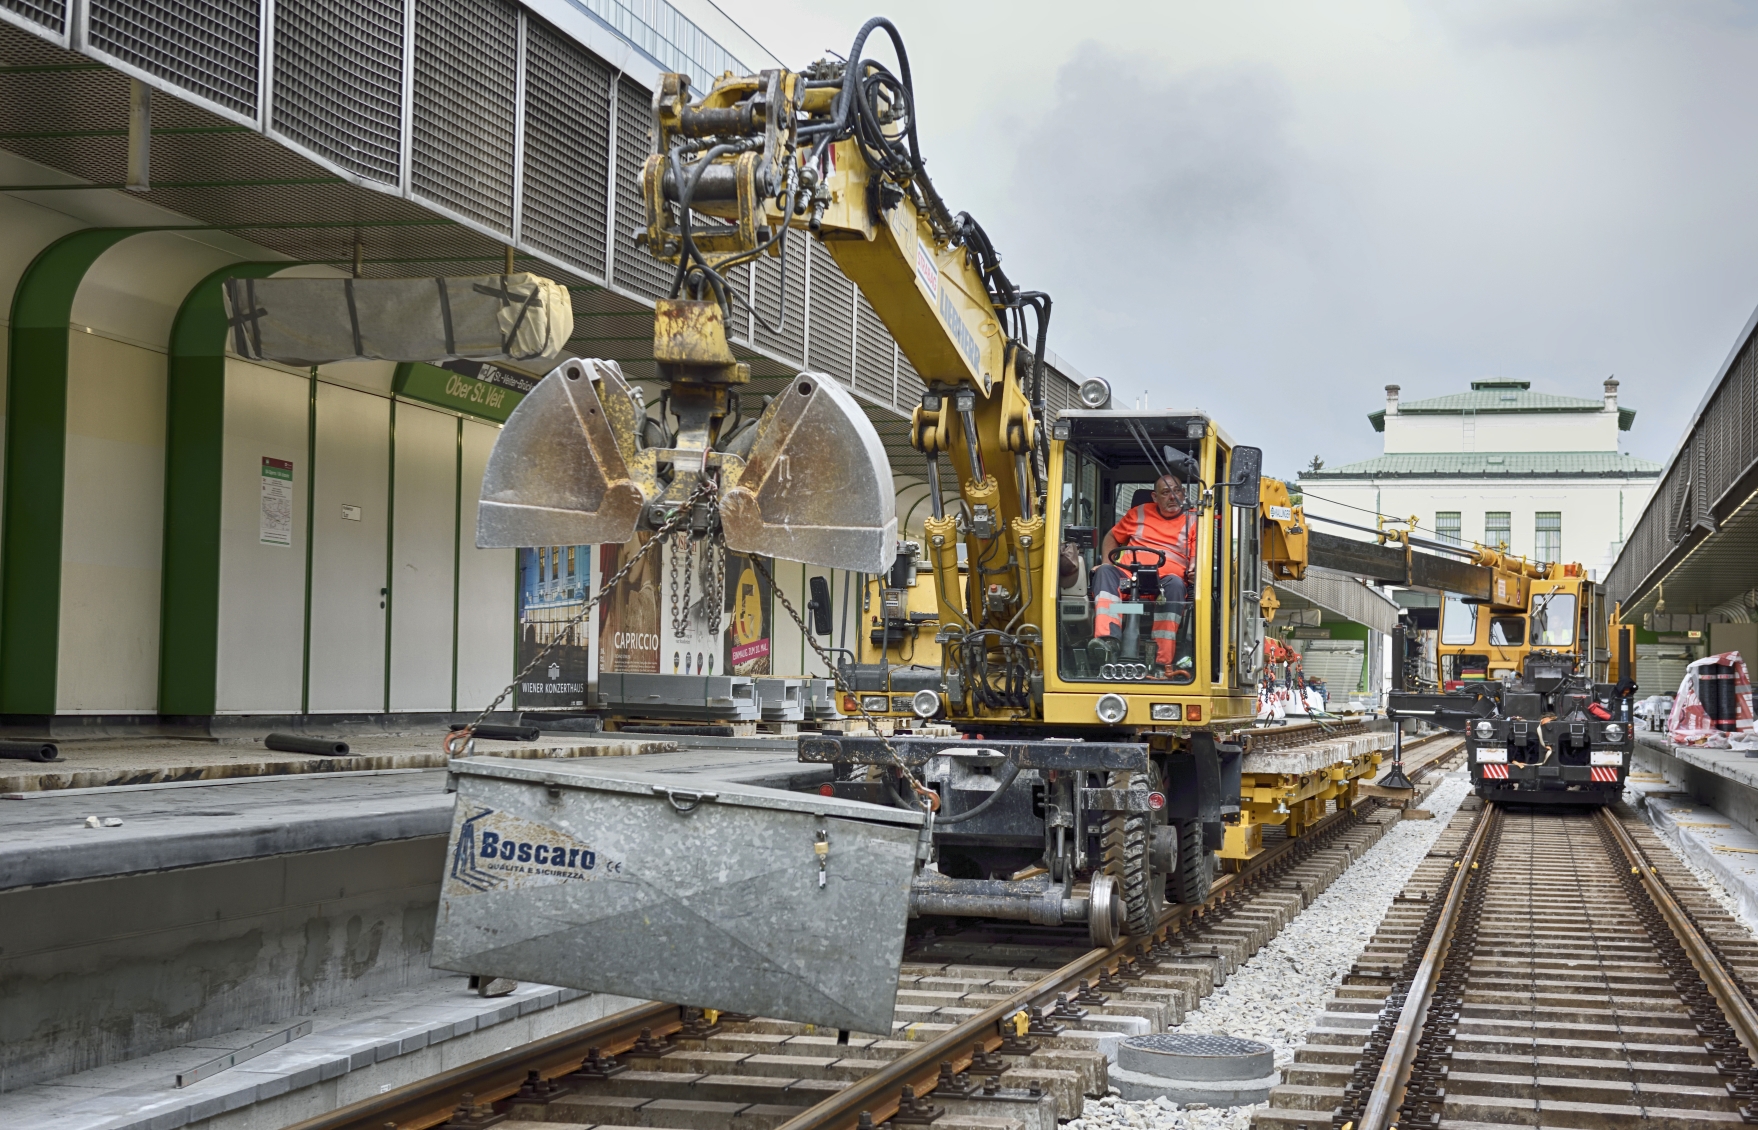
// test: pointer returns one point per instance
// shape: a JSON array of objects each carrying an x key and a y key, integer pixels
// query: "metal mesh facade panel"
[
  {"x": 738, "y": 282},
  {"x": 910, "y": 386},
  {"x": 208, "y": 48},
  {"x": 874, "y": 354},
  {"x": 831, "y": 326},
  {"x": 51, "y": 14},
  {"x": 787, "y": 343},
  {"x": 1719, "y": 455},
  {"x": 567, "y": 137},
  {"x": 1058, "y": 394},
  {"x": 635, "y": 269},
  {"x": 338, "y": 82},
  {"x": 461, "y": 158}
]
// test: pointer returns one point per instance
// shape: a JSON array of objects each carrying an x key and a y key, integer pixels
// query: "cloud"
[
  {"x": 1199, "y": 156},
  {"x": 1271, "y": 208}
]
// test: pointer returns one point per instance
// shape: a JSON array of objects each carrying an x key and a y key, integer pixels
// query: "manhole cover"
[
  {"x": 1180, "y": 1043},
  {"x": 1194, "y": 1057}
]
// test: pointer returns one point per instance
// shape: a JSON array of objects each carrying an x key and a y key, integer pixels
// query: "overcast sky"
[{"x": 1271, "y": 210}]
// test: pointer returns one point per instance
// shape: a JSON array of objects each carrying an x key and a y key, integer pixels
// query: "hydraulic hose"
[{"x": 1008, "y": 773}]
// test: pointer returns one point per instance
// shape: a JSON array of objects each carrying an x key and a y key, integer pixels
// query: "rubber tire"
[
  {"x": 1196, "y": 867},
  {"x": 1126, "y": 860}
]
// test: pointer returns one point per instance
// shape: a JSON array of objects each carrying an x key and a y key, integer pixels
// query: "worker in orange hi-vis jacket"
[{"x": 1163, "y": 523}]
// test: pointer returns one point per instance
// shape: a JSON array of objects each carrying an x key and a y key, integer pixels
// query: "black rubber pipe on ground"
[
  {"x": 30, "y": 751},
  {"x": 504, "y": 733},
  {"x": 293, "y": 743}
]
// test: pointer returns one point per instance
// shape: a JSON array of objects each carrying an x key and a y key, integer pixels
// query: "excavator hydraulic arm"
[
  {"x": 830, "y": 153},
  {"x": 1481, "y": 575}
]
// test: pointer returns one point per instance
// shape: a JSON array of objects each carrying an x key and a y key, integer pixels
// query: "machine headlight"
[
  {"x": 1614, "y": 731},
  {"x": 875, "y": 702},
  {"x": 1111, "y": 709},
  {"x": 1485, "y": 730},
  {"x": 1166, "y": 711},
  {"x": 1095, "y": 392},
  {"x": 926, "y": 703}
]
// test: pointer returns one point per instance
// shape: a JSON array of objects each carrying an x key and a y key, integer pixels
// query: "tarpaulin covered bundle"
[
  {"x": 1714, "y": 704},
  {"x": 479, "y": 318}
]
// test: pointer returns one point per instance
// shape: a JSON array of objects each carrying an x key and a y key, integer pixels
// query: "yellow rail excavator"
[{"x": 1085, "y": 604}]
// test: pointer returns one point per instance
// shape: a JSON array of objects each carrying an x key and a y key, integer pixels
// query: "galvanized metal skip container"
[{"x": 696, "y": 892}]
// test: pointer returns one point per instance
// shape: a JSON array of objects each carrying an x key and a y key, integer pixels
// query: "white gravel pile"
[{"x": 1278, "y": 995}]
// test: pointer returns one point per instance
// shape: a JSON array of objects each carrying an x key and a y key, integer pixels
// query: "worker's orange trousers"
[{"x": 1168, "y": 612}]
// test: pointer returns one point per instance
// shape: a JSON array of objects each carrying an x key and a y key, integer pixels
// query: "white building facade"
[{"x": 1500, "y": 465}]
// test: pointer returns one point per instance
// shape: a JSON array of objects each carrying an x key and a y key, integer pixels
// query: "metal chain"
[
  {"x": 677, "y": 624},
  {"x": 712, "y": 584},
  {"x": 836, "y": 675},
  {"x": 704, "y": 492},
  {"x": 683, "y": 625}
]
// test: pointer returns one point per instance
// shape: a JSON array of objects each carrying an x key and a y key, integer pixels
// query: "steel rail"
[
  {"x": 1717, "y": 977},
  {"x": 1388, "y": 1088},
  {"x": 878, "y": 1094},
  {"x": 1430, "y": 744},
  {"x": 430, "y": 1101}
]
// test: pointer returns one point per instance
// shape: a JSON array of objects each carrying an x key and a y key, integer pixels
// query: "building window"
[
  {"x": 1446, "y": 524},
  {"x": 1498, "y": 530},
  {"x": 1549, "y": 543}
]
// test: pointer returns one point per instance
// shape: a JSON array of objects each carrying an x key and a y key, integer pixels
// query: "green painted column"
[
  {"x": 36, "y": 465},
  {"x": 195, "y": 421}
]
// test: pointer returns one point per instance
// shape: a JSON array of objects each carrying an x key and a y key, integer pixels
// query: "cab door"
[{"x": 1248, "y": 618}]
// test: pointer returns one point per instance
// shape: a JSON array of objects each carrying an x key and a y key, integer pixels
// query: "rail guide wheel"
[{"x": 1130, "y": 860}]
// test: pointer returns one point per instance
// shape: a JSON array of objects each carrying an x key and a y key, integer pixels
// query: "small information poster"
[{"x": 276, "y": 527}]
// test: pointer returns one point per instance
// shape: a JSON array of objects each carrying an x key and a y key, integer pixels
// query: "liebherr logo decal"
[{"x": 960, "y": 333}]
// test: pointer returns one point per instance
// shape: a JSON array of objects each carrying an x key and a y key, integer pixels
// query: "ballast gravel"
[{"x": 1279, "y": 994}]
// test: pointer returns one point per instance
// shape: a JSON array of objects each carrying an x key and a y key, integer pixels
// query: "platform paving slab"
[
  {"x": 104, "y": 762},
  {"x": 352, "y": 1053}
]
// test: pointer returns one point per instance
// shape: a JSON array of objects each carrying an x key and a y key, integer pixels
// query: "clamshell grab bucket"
[
  {"x": 556, "y": 475},
  {"x": 567, "y": 470},
  {"x": 817, "y": 485}
]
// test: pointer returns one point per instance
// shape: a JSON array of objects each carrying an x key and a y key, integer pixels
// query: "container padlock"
[{"x": 822, "y": 848}]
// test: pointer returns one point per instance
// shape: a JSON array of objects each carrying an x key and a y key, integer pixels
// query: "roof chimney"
[
  {"x": 1391, "y": 400},
  {"x": 1611, "y": 394}
]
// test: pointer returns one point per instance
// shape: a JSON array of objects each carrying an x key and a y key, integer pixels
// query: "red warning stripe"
[
  {"x": 1606, "y": 773},
  {"x": 1494, "y": 772}
]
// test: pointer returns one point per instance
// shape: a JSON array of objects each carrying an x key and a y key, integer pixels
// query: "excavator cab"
[{"x": 1126, "y": 616}]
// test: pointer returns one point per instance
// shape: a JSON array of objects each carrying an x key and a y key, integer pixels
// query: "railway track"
[
  {"x": 956, "y": 1045},
  {"x": 1540, "y": 968}
]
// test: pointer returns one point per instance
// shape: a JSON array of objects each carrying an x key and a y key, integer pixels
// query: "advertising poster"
[
  {"x": 628, "y": 619},
  {"x": 554, "y": 585},
  {"x": 750, "y": 604}
]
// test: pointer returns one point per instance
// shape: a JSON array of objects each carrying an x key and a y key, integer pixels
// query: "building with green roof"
[{"x": 1536, "y": 472}]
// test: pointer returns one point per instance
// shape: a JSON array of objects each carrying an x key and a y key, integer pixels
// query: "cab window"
[
  {"x": 1507, "y": 631},
  {"x": 1553, "y": 620},
  {"x": 1458, "y": 621}
]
